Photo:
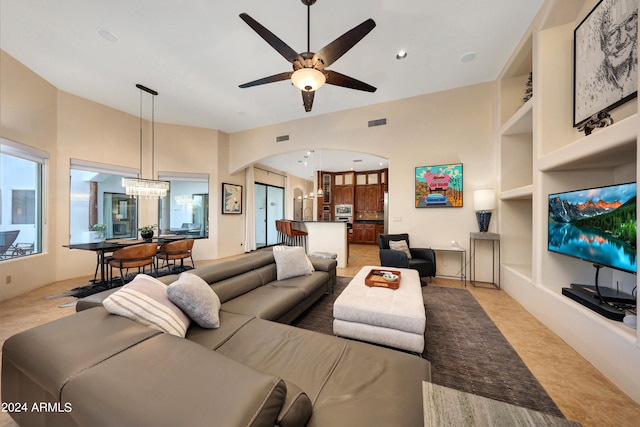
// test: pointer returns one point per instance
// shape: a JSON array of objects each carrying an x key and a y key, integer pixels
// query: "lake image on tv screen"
[{"x": 597, "y": 225}]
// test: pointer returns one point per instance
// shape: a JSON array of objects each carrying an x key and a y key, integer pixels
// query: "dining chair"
[
  {"x": 175, "y": 250},
  {"x": 135, "y": 256}
]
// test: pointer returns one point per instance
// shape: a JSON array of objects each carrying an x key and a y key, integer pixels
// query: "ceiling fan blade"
[
  {"x": 275, "y": 78},
  {"x": 334, "y": 50},
  {"x": 283, "y": 49},
  {"x": 337, "y": 79},
  {"x": 307, "y": 98}
]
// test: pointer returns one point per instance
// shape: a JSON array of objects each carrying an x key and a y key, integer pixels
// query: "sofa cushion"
[
  {"x": 230, "y": 323},
  {"x": 235, "y": 286},
  {"x": 53, "y": 353},
  {"x": 302, "y": 357},
  {"x": 196, "y": 298},
  {"x": 266, "y": 302},
  {"x": 291, "y": 262},
  {"x": 296, "y": 409},
  {"x": 308, "y": 284},
  {"x": 145, "y": 300},
  {"x": 172, "y": 382}
]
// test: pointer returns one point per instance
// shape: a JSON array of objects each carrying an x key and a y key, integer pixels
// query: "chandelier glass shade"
[
  {"x": 149, "y": 188},
  {"x": 308, "y": 79}
]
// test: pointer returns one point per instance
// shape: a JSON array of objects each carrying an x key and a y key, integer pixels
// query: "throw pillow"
[
  {"x": 292, "y": 262},
  {"x": 284, "y": 248},
  {"x": 145, "y": 300},
  {"x": 196, "y": 298},
  {"x": 400, "y": 245}
]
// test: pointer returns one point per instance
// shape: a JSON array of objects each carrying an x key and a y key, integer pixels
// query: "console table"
[
  {"x": 463, "y": 260},
  {"x": 494, "y": 238}
]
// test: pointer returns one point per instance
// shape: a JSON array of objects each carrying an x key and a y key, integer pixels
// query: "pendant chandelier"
[{"x": 149, "y": 188}]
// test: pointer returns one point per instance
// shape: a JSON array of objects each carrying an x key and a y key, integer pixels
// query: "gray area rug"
[{"x": 466, "y": 350}]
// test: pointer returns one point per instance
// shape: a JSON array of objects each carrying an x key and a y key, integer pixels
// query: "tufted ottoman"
[{"x": 394, "y": 318}]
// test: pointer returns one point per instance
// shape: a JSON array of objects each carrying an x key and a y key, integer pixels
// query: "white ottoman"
[{"x": 394, "y": 318}]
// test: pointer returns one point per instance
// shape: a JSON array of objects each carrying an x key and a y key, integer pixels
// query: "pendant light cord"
[
  {"x": 153, "y": 137},
  {"x": 153, "y": 128},
  {"x": 140, "y": 134}
]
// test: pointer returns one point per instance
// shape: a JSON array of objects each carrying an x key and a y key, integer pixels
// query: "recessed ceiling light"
[
  {"x": 468, "y": 57},
  {"x": 107, "y": 35},
  {"x": 401, "y": 54}
]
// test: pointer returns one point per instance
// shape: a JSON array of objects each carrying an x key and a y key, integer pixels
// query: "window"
[
  {"x": 98, "y": 206},
  {"x": 185, "y": 210},
  {"x": 22, "y": 213},
  {"x": 23, "y": 207}
]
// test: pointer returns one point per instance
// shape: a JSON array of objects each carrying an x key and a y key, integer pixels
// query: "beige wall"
[
  {"x": 35, "y": 113},
  {"x": 28, "y": 116},
  {"x": 446, "y": 127},
  {"x": 454, "y": 126},
  {"x": 231, "y": 232}
]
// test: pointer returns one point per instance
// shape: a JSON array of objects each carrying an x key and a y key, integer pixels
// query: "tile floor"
[{"x": 580, "y": 391}]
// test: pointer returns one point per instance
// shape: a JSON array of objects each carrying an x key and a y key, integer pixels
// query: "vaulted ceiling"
[{"x": 195, "y": 53}]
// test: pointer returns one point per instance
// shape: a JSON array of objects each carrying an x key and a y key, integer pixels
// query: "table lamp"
[{"x": 484, "y": 201}]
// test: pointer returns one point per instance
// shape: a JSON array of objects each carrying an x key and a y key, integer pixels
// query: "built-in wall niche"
[
  {"x": 557, "y": 270},
  {"x": 514, "y": 82},
  {"x": 516, "y": 161},
  {"x": 516, "y": 250}
]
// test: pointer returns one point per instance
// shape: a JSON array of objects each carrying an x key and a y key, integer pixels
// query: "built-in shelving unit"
[{"x": 540, "y": 153}]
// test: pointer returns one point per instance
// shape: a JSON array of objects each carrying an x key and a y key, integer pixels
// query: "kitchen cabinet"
[
  {"x": 343, "y": 178},
  {"x": 368, "y": 198},
  {"x": 379, "y": 230},
  {"x": 343, "y": 194},
  {"x": 366, "y": 233}
]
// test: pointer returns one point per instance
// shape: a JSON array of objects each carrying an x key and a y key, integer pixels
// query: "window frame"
[{"x": 40, "y": 160}]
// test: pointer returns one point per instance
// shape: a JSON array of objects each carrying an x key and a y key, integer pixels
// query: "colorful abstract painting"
[{"x": 439, "y": 186}]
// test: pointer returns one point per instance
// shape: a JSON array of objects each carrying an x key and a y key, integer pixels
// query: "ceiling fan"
[{"x": 309, "y": 71}]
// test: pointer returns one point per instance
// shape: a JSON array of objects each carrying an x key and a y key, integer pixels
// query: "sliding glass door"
[{"x": 269, "y": 202}]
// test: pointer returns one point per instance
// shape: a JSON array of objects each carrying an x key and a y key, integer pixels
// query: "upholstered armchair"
[{"x": 404, "y": 256}]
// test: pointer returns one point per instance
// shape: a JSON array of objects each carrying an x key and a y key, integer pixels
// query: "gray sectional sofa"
[{"x": 94, "y": 368}]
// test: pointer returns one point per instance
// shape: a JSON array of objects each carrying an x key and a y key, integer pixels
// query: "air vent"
[
  {"x": 282, "y": 138},
  {"x": 378, "y": 122}
]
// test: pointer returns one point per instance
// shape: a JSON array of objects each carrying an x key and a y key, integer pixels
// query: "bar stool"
[
  {"x": 297, "y": 237},
  {"x": 280, "y": 230}
]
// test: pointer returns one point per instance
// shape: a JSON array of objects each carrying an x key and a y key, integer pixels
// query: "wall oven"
[
  {"x": 344, "y": 213},
  {"x": 343, "y": 210}
]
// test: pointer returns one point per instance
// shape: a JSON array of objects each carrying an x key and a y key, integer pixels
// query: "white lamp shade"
[
  {"x": 308, "y": 79},
  {"x": 484, "y": 200}
]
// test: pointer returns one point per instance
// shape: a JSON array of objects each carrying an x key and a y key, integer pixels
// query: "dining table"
[{"x": 111, "y": 245}]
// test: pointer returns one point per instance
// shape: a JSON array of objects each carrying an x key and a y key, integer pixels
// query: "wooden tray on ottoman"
[{"x": 375, "y": 279}]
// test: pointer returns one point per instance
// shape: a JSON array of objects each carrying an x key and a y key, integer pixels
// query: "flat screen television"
[{"x": 597, "y": 225}]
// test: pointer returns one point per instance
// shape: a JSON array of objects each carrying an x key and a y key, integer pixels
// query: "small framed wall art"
[
  {"x": 439, "y": 186},
  {"x": 605, "y": 63},
  {"x": 231, "y": 198}
]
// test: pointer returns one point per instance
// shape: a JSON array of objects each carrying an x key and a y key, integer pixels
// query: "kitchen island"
[{"x": 326, "y": 236}]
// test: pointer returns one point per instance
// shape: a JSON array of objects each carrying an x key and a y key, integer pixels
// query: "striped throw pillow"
[{"x": 145, "y": 300}]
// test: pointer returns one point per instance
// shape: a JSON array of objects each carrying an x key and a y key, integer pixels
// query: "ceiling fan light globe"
[{"x": 308, "y": 79}]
